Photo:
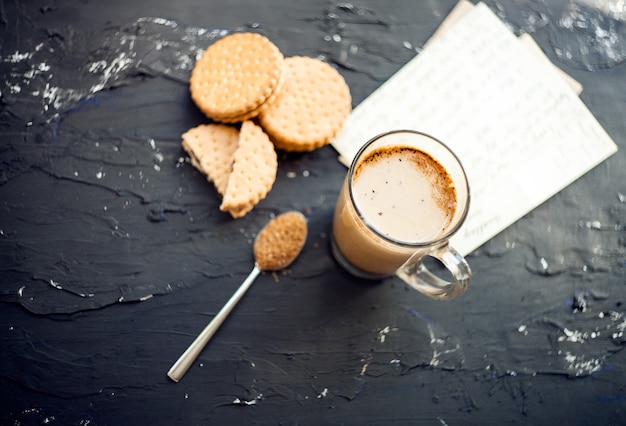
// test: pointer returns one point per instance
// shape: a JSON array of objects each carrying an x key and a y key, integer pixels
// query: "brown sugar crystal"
[{"x": 280, "y": 242}]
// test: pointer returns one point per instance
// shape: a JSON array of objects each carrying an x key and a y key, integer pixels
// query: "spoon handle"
[{"x": 183, "y": 363}]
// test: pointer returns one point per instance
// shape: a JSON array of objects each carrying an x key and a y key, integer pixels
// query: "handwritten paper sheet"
[{"x": 520, "y": 131}]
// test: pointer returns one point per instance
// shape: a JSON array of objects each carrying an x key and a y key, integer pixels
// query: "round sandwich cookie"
[
  {"x": 313, "y": 103},
  {"x": 235, "y": 76}
]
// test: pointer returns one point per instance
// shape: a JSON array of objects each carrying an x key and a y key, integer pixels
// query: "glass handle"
[{"x": 417, "y": 275}]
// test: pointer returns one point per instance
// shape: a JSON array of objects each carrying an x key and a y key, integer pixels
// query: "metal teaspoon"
[{"x": 278, "y": 244}]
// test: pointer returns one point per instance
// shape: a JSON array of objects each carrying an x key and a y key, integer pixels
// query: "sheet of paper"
[
  {"x": 520, "y": 131},
  {"x": 463, "y": 7}
]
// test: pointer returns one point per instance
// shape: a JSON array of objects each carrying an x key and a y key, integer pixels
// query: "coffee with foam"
[
  {"x": 404, "y": 193},
  {"x": 396, "y": 199}
]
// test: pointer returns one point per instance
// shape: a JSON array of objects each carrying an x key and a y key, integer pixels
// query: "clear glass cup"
[{"x": 368, "y": 247}]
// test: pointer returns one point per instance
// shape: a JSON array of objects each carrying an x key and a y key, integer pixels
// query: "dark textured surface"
[{"x": 114, "y": 255}]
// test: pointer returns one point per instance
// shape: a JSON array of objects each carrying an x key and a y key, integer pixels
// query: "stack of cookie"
[{"x": 294, "y": 104}]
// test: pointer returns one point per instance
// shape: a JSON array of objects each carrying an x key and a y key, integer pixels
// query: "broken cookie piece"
[{"x": 241, "y": 163}]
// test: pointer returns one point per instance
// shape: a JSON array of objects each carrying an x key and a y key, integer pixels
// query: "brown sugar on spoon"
[
  {"x": 279, "y": 243},
  {"x": 276, "y": 247}
]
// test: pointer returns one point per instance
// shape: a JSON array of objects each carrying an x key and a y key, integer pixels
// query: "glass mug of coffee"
[{"x": 405, "y": 195}]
